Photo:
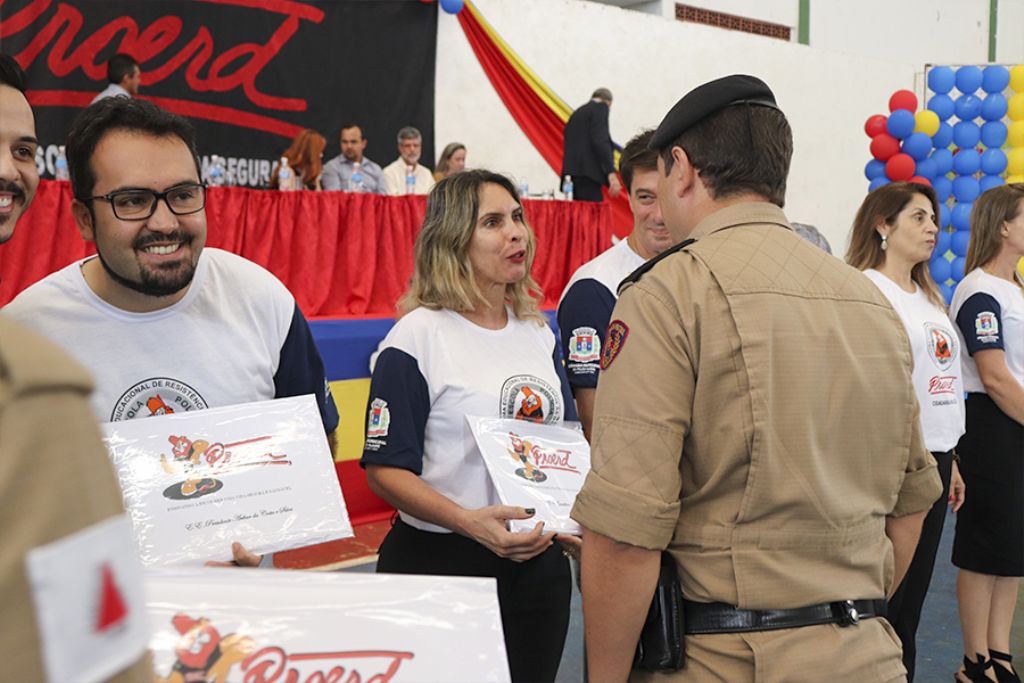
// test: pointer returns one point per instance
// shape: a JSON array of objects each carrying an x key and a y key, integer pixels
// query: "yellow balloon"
[
  {"x": 1015, "y": 161},
  {"x": 1016, "y": 107},
  {"x": 927, "y": 122},
  {"x": 1019, "y": 178},
  {"x": 1020, "y": 266},
  {"x": 1017, "y": 78},
  {"x": 1015, "y": 134}
]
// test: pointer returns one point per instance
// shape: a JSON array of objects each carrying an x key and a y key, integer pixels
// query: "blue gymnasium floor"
[{"x": 938, "y": 638}]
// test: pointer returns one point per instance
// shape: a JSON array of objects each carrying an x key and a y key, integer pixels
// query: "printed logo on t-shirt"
[
  {"x": 379, "y": 419},
  {"x": 942, "y": 345},
  {"x": 157, "y": 396},
  {"x": 584, "y": 345},
  {"x": 942, "y": 385},
  {"x": 986, "y": 326},
  {"x": 525, "y": 397}
]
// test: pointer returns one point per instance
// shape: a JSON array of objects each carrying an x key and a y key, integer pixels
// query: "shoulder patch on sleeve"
[
  {"x": 642, "y": 270},
  {"x": 618, "y": 331}
]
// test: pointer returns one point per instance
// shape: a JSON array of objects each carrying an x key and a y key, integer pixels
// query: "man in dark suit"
[{"x": 588, "y": 153}]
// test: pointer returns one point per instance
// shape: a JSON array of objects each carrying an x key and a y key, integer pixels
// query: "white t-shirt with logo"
[
  {"x": 437, "y": 367},
  {"x": 936, "y": 349},
  {"x": 989, "y": 313}
]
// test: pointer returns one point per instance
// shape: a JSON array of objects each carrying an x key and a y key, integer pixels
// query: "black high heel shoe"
[
  {"x": 1003, "y": 675},
  {"x": 975, "y": 671}
]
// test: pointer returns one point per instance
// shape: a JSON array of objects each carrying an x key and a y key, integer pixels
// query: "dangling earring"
[{"x": 884, "y": 244}]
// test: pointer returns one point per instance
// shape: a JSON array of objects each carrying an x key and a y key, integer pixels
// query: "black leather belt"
[{"x": 717, "y": 617}]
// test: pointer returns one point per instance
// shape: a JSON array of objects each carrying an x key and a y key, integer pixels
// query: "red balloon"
[
  {"x": 900, "y": 167},
  {"x": 903, "y": 99},
  {"x": 920, "y": 181},
  {"x": 883, "y": 146},
  {"x": 875, "y": 125}
]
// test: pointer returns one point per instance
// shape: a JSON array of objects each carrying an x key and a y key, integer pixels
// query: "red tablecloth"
[{"x": 340, "y": 254}]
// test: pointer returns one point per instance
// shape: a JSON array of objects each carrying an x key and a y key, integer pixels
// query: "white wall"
[
  {"x": 1010, "y": 32},
  {"x": 649, "y": 62}
]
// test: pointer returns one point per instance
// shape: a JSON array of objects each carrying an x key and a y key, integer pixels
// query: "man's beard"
[{"x": 155, "y": 282}]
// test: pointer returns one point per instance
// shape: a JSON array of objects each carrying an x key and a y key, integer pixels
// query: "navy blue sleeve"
[
  {"x": 300, "y": 371},
  {"x": 563, "y": 382},
  {"x": 583, "y": 318},
  {"x": 980, "y": 322},
  {"x": 397, "y": 412}
]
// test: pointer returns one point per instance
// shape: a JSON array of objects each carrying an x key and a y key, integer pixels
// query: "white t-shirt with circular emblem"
[{"x": 936, "y": 349}]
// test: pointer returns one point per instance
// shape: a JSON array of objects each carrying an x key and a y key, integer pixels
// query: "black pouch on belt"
[{"x": 661, "y": 646}]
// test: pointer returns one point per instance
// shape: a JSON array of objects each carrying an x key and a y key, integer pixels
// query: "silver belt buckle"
[{"x": 852, "y": 615}]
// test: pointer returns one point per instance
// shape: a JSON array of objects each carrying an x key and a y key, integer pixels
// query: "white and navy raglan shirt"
[
  {"x": 989, "y": 314},
  {"x": 586, "y": 309},
  {"x": 236, "y": 336},
  {"x": 437, "y": 367}
]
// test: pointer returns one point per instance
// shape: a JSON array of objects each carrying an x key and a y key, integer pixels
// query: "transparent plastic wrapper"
[
  {"x": 276, "y": 626},
  {"x": 535, "y": 466},
  {"x": 258, "y": 473}
]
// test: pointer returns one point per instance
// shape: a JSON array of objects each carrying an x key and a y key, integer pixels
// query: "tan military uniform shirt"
[
  {"x": 759, "y": 422},
  {"x": 55, "y": 480}
]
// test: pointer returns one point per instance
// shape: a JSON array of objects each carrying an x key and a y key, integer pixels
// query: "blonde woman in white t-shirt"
[{"x": 892, "y": 241}]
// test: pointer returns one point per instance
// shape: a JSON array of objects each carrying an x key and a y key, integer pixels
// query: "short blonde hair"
[
  {"x": 443, "y": 275},
  {"x": 990, "y": 211}
]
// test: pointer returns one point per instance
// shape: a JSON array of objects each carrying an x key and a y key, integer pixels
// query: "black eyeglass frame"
[{"x": 157, "y": 196}]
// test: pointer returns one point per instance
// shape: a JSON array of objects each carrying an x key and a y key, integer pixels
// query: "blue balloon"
[
  {"x": 968, "y": 79},
  {"x": 942, "y": 105},
  {"x": 968, "y": 107},
  {"x": 877, "y": 183},
  {"x": 925, "y": 168},
  {"x": 452, "y": 6},
  {"x": 987, "y": 182},
  {"x": 994, "y": 107},
  {"x": 943, "y": 136},
  {"x": 917, "y": 145},
  {"x": 943, "y": 187},
  {"x": 943, "y": 159},
  {"x": 939, "y": 268},
  {"x": 966, "y": 134},
  {"x": 959, "y": 242},
  {"x": 900, "y": 124},
  {"x": 994, "y": 78},
  {"x": 943, "y": 220},
  {"x": 960, "y": 218},
  {"x": 956, "y": 269},
  {"x": 941, "y": 79},
  {"x": 965, "y": 190},
  {"x": 874, "y": 169},
  {"x": 993, "y": 134},
  {"x": 966, "y": 162},
  {"x": 947, "y": 292},
  {"x": 943, "y": 238},
  {"x": 993, "y": 162}
]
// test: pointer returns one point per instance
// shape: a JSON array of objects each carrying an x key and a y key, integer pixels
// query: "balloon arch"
[{"x": 969, "y": 138}]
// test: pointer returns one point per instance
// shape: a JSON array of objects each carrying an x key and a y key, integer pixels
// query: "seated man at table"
[
  {"x": 405, "y": 175},
  {"x": 163, "y": 324},
  {"x": 339, "y": 172},
  {"x": 587, "y": 302}
]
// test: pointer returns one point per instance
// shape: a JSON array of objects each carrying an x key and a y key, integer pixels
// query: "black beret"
[{"x": 707, "y": 99}]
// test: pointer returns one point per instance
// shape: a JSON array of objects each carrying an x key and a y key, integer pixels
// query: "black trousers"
[
  {"x": 586, "y": 190},
  {"x": 906, "y": 603},
  {"x": 534, "y": 595}
]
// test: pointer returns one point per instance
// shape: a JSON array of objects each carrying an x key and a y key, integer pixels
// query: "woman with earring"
[
  {"x": 988, "y": 548},
  {"x": 892, "y": 240}
]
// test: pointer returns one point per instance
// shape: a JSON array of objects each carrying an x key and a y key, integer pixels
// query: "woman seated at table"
[
  {"x": 305, "y": 159},
  {"x": 470, "y": 341},
  {"x": 453, "y": 160}
]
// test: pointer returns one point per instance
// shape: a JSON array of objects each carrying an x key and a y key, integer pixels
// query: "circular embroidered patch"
[{"x": 613, "y": 342}]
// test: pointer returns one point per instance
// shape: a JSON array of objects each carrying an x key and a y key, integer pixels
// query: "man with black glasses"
[{"x": 163, "y": 324}]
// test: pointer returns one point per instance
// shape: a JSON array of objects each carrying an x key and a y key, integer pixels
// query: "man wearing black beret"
[{"x": 755, "y": 419}]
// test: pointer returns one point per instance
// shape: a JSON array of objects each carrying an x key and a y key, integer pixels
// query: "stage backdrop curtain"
[{"x": 341, "y": 254}]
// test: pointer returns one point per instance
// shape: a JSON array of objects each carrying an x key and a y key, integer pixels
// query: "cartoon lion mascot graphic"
[
  {"x": 185, "y": 453},
  {"x": 202, "y": 655},
  {"x": 520, "y": 451}
]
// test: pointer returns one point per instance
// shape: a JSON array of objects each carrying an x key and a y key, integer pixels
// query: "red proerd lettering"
[
  {"x": 274, "y": 665},
  {"x": 552, "y": 459},
  {"x": 942, "y": 385},
  {"x": 247, "y": 59}
]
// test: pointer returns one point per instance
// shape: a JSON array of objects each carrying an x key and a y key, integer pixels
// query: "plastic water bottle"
[
  {"x": 355, "y": 183},
  {"x": 60, "y": 165},
  {"x": 216, "y": 176},
  {"x": 285, "y": 176},
  {"x": 567, "y": 188},
  {"x": 523, "y": 188},
  {"x": 410, "y": 180}
]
